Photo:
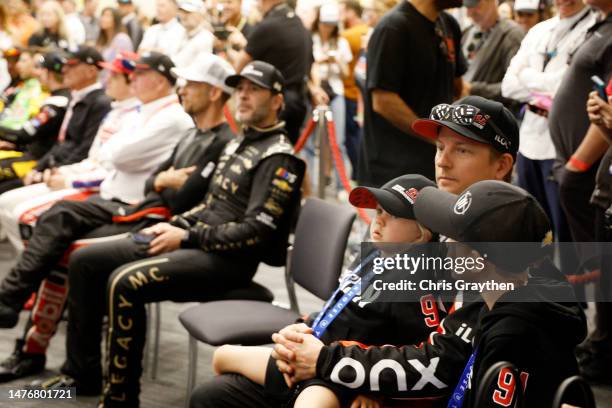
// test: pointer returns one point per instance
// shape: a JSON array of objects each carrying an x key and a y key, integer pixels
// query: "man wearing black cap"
[
  {"x": 145, "y": 141},
  {"x": 292, "y": 57},
  {"x": 243, "y": 220},
  {"x": 87, "y": 108},
  {"x": 36, "y": 136}
]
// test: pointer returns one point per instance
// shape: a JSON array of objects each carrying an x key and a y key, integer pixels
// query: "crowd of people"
[{"x": 148, "y": 160}]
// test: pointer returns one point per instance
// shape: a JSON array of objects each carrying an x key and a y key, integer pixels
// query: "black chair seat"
[
  {"x": 212, "y": 324},
  {"x": 254, "y": 291}
]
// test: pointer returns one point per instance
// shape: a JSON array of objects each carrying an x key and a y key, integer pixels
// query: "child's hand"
[{"x": 365, "y": 402}]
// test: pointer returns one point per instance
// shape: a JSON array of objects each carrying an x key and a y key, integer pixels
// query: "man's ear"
[
  {"x": 278, "y": 102},
  {"x": 505, "y": 162},
  {"x": 215, "y": 93}
]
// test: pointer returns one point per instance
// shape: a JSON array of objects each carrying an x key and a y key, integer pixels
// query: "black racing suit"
[
  {"x": 244, "y": 219},
  {"x": 35, "y": 138},
  {"x": 67, "y": 221}
]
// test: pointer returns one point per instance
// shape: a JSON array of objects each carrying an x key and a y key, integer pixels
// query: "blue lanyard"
[
  {"x": 328, "y": 314},
  {"x": 456, "y": 400}
]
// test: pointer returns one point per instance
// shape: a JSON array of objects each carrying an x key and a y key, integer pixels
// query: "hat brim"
[
  {"x": 368, "y": 197},
  {"x": 233, "y": 80},
  {"x": 433, "y": 209},
  {"x": 111, "y": 67},
  {"x": 429, "y": 128}
]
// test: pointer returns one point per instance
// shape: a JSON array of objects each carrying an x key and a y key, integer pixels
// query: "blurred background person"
[
  {"x": 129, "y": 19},
  {"x": 53, "y": 31},
  {"x": 113, "y": 38},
  {"x": 231, "y": 16},
  {"x": 168, "y": 34},
  {"x": 506, "y": 10},
  {"x": 198, "y": 40},
  {"x": 6, "y": 42},
  {"x": 292, "y": 57},
  {"x": 332, "y": 55},
  {"x": 21, "y": 24},
  {"x": 75, "y": 28},
  {"x": 90, "y": 21},
  {"x": 488, "y": 45},
  {"x": 528, "y": 13},
  {"x": 11, "y": 56},
  {"x": 354, "y": 30}
]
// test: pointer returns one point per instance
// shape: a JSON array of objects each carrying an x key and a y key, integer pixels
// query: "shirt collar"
[
  {"x": 125, "y": 104},
  {"x": 81, "y": 93},
  {"x": 158, "y": 103},
  {"x": 128, "y": 17}
]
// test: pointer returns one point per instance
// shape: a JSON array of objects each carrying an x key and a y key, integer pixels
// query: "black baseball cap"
[
  {"x": 52, "y": 61},
  {"x": 489, "y": 212},
  {"x": 476, "y": 118},
  {"x": 83, "y": 54},
  {"x": 396, "y": 197},
  {"x": 260, "y": 73},
  {"x": 158, "y": 62}
]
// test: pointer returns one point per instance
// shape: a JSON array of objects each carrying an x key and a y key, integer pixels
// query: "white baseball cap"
[
  {"x": 329, "y": 13},
  {"x": 191, "y": 6},
  {"x": 527, "y": 5},
  {"x": 208, "y": 68}
]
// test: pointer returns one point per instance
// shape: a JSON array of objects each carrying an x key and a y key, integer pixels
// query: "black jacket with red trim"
[
  {"x": 430, "y": 369},
  {"x": 528, "y": 328}
]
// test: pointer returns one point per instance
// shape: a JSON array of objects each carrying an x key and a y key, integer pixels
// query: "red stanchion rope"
[
  {"x": 337, "y": 156},
  {"x": 301, "y": 142},
  {"x": 230, "y": 120},
  {"x": 587, "y": 277}
]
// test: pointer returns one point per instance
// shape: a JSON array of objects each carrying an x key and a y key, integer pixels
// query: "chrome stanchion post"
[{"x": 323, "y": 149}]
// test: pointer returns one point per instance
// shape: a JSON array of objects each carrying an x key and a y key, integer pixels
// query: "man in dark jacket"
[
  {"x": 88, "y": 106},
  {"x": 244, "y": 219},
  {"x": 37, "y": 136},
  {"x": 488, "y": 45},
  {"x": 177, "y": 185}
]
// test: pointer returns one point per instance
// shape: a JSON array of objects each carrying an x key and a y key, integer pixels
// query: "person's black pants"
[
  {"x": 353, "y": 134},
  {"x": 55, "y": 230},
  {"x": 601, "y": 337},
  {"x": 119, "y": 278},
  {"x": 294, "y": 113}
]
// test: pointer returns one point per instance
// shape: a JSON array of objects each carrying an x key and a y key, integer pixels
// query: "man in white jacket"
[
  {"x": 135, "y": 151},
  {"x": 533, "y": 77},
  {"x": 74, "y": 179}
]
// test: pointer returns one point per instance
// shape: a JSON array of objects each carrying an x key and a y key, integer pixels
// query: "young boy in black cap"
[
  {"x": 537, "y": 325},
  {"x": 361, "y": 320}
]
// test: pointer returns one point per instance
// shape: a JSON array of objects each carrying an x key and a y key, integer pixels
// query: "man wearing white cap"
[
  {"x": 198, "y": 40},
  {"x": 528, "y": 13},
  {"x": 178, "y": 185}
]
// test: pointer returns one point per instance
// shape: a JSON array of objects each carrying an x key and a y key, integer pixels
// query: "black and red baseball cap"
[
  {"x": 158, "y": 62},
  {"x": 396, "y": 197},
  {"x": 83, "y": 54},
  {"x": 476, "y": 118},
  {"x": 122, "y": 64}
]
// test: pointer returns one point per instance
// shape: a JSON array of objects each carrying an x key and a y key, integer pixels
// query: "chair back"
[
  {"x": 575, "y": 391},
  {"x": 321, "y": 235}
]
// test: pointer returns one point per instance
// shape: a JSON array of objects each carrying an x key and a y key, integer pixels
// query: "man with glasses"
[
  {"x": 143, "y": 144},
  {"x": 402, "y": 86}
]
